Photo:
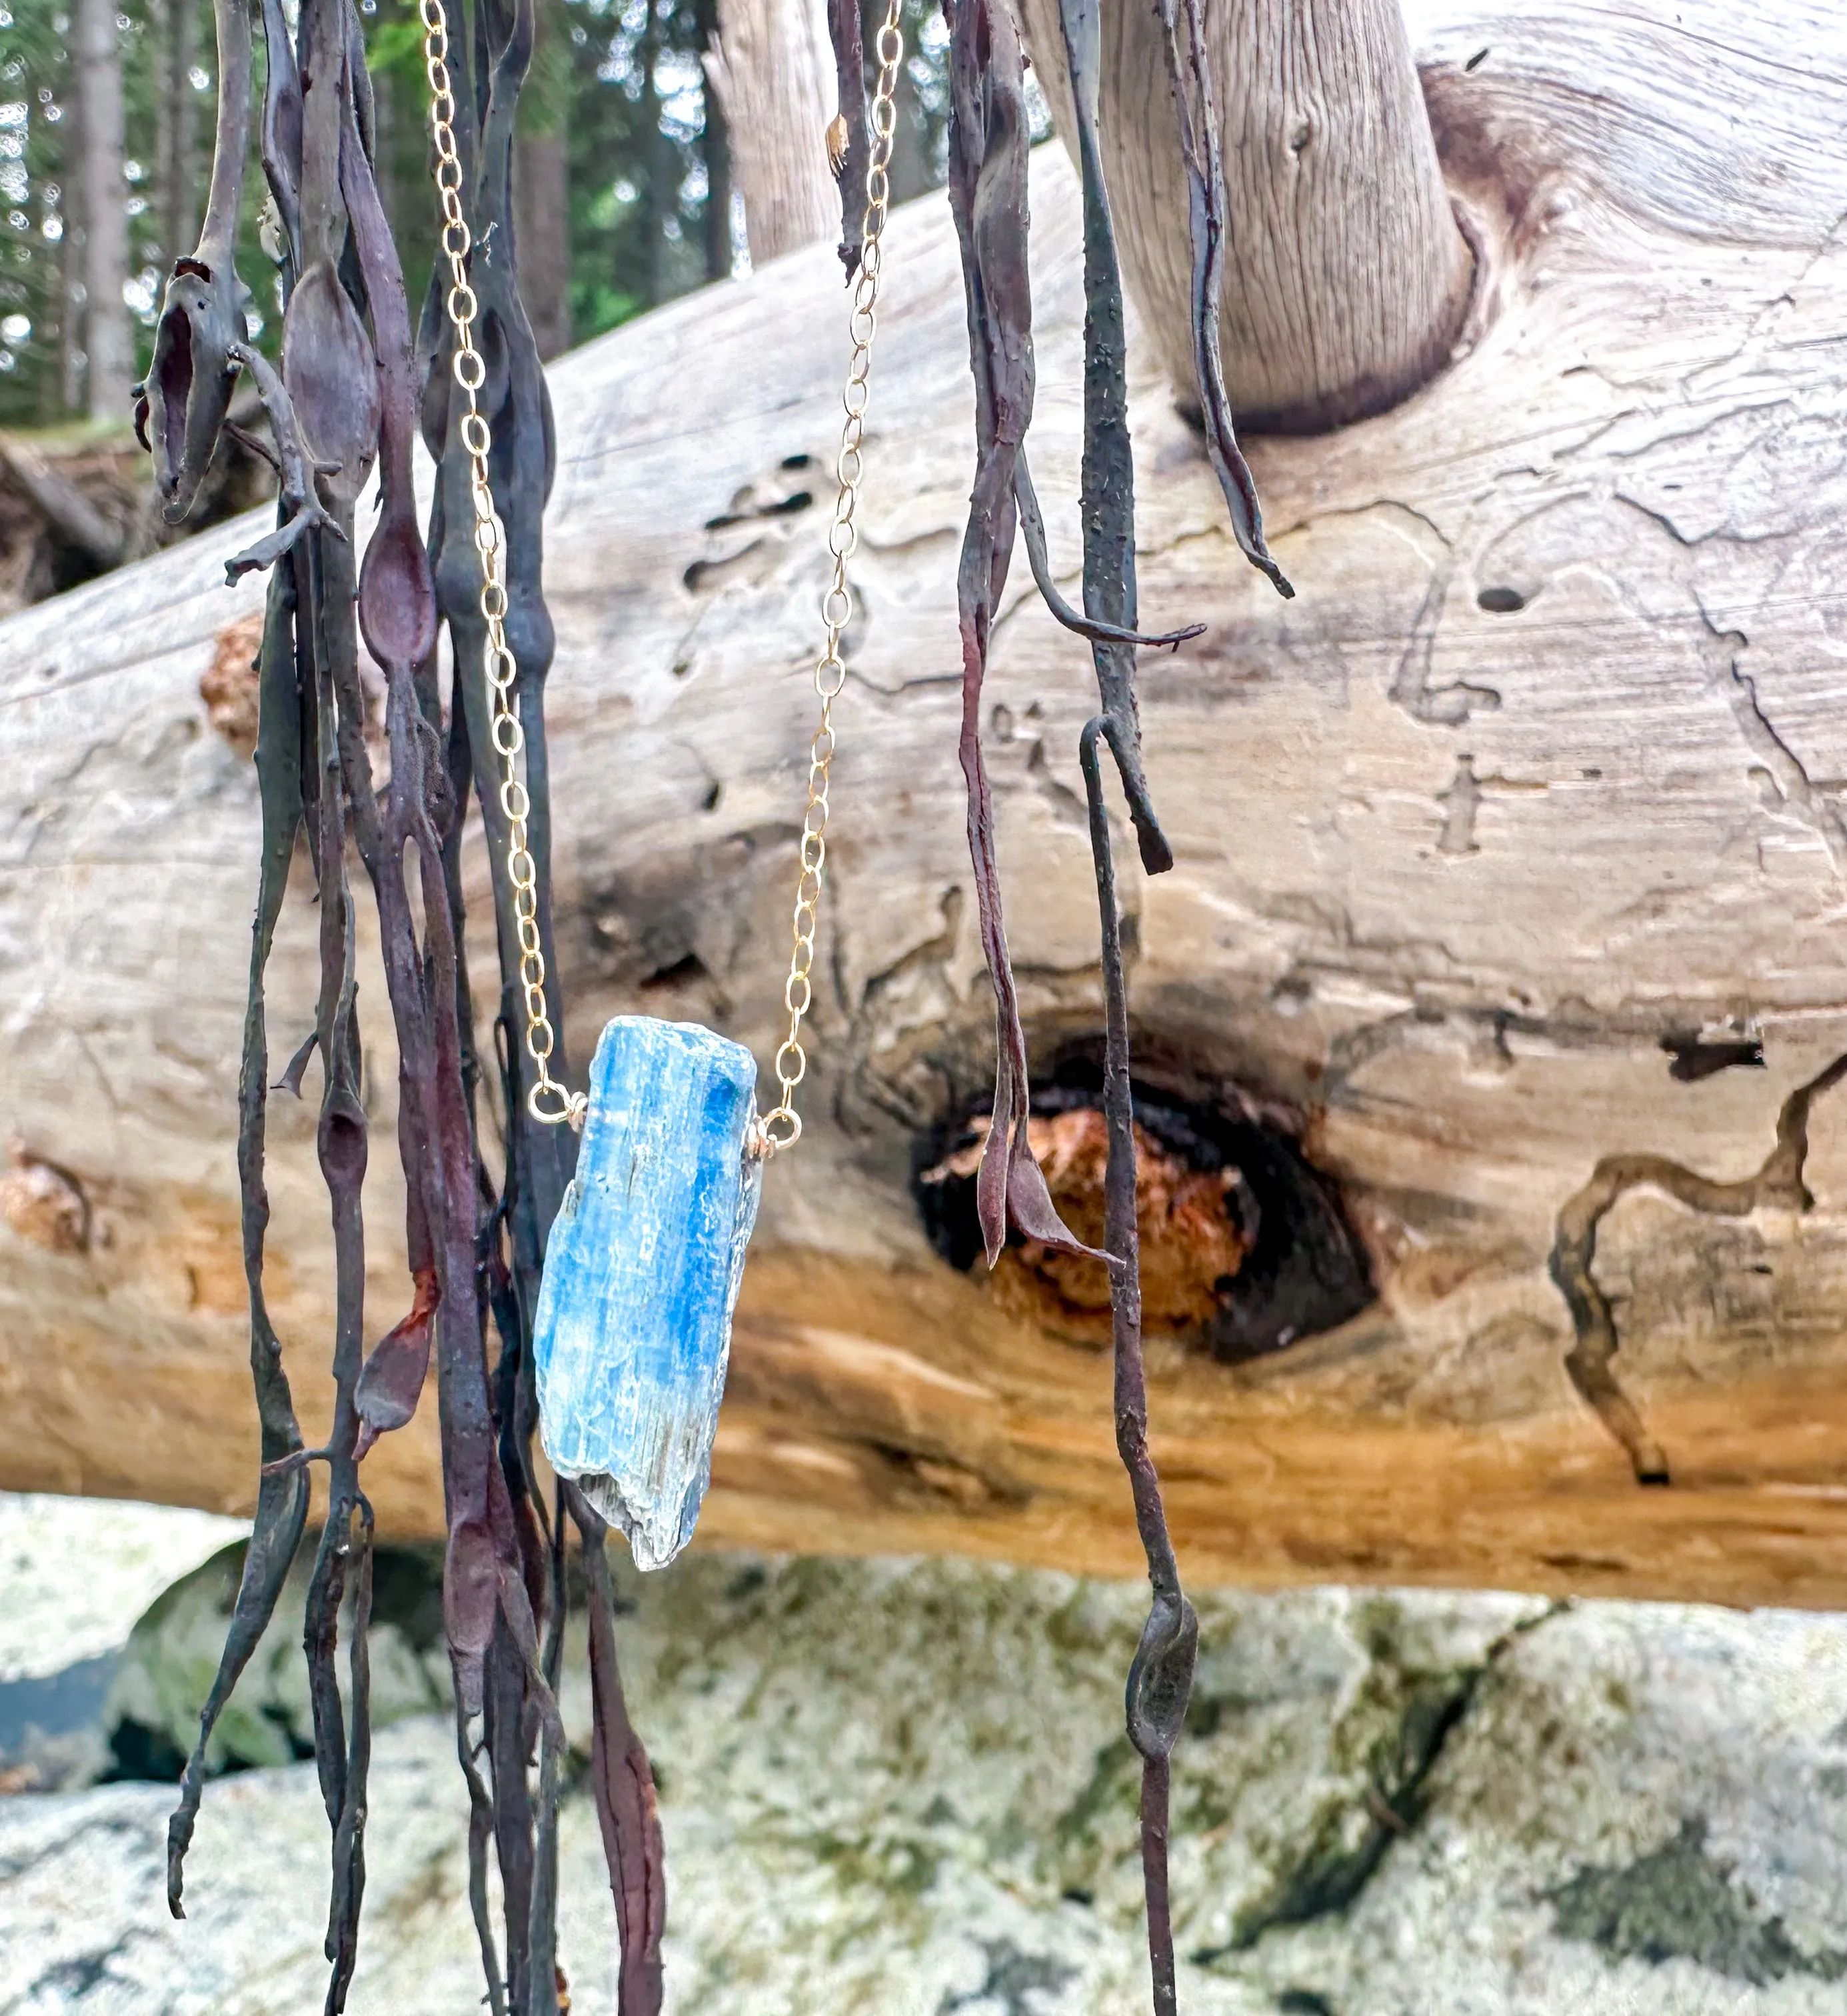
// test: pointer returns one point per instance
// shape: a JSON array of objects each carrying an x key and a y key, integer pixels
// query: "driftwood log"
[{"x": 1488, "y": 1019}]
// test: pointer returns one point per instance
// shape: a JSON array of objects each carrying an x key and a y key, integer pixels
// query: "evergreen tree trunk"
[
  {"x": 71, "y": 257},
  {"x": 772, "y": 69},
  {"x": 714, "y": 147},
  {"x": 179, "y": 133},
  {"x": 110, "y": 357},
  {"x": 541, "y": 211},
  {"x": 656, "y": 164},
  {"x": 541, "y": 220}
]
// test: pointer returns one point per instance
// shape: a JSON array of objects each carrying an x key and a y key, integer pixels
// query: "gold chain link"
[
  {"x": 781, "y": 1127},
  {"x": 548, "y": 1100}
]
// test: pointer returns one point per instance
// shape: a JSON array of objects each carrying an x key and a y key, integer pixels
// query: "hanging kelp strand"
[
  {"x": 1162, "y": 1676},
  {"x": 1190, "y": 77},
  {"x": 1108, "y": 475},
  {"x": 348, "y": 395},
  {"x": 849, "y": 138},
  {"x": 181, "y": 408},
  {"x": 987, "y": 151},
  {"x": 988, "y": 192},
  {"x": 987, "y": 195},
  {"x": 486, "y": 417},
  {"x": 282, "y": 1493}
]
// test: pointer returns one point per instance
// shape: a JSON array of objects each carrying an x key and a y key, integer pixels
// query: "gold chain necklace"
[
  {"x": 548, "y": 1100},
  {"x": 631, "y": 1330}
]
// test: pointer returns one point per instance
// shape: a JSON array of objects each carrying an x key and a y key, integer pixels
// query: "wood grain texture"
[
  {"x": 772, "y": 68},
  {"x": 1541, "y": 765},
  {"x": 1346, "y": 278}
]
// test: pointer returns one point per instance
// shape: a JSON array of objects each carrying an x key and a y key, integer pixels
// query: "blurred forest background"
[{"x": 626, "y": 198}]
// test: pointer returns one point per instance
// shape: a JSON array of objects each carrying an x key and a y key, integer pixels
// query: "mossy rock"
[{"x": 150, "y": 1717}]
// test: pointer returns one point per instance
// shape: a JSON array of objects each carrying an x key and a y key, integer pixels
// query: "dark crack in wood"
[{"x": 1590, "y": 1362}]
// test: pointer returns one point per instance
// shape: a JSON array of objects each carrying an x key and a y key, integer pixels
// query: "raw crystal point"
[{"x": 633, "y": 1330}]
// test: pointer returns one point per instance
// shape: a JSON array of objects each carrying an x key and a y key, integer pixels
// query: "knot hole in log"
[{"x": 1246, "y": 1247}]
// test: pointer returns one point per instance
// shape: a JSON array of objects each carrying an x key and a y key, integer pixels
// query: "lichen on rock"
[
  {"x": 900, "y": 1788},
  {"x": 151, "y": 1718}
]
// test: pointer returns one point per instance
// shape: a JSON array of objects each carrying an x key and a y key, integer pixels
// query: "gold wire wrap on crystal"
[{"x": 548, "y": 1100}]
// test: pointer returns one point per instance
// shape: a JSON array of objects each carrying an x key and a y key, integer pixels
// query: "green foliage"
[
  {"x": 34, "y": 72},
  {"x": 619, "y": 81},
  {"x": 40, "y": 317},
  {"x": 637, "y": 175}
]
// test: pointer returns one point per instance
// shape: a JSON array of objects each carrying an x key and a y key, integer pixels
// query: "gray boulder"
[{"x": 902, "y": 1788}]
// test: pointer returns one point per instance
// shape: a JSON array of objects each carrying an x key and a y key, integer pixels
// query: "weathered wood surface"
[
  {"x": 772, "y": 68},
  {"x": 1346, "y": 277},
  {"x": 1541, "y": 765}
]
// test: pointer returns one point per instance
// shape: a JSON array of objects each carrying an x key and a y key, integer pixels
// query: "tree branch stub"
[{"x": 1347, "y": 279}]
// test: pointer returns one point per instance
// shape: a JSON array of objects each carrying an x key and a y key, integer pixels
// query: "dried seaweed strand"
[
  {"x": 486, "y": 1565},
  {"x": 282, "y": 1497},
  {"x": 850, "y": 155},
  {"x": 1778, "y": 1182},
  {"x": 394, "y": 599},
  {"x": 623, "y": 1783},
  {"x": 281, "y": 135},
  {"x": 504, "y": 1711},
  {"x": 556, "y": 1610},
  {"x": 344, "y": 1148},
  {"x": 316, "y": 326},
  {"x": 349, "y": 1823},
  {"x": 541, "y": 1567},
  {"x": 396, "y": 610},
  {"x": 541, "y": 1718},
  {"x": 988, "y": 193},
  {"x": 517, "y": 405},
  {"x": 481, "y": 1829},
  {"x": 516, "y": 1674},
  {"x": 1032, "y": 530},
  {"x": 987, "y": 153},
  {"x": 181, "y": 408},
  {"x": 1161, "y": 1676},
  {"x": 1108, "y": 475},
  {"x": 318, "y": 171},
  {"x": 1190, "y": 77},
  {"x": 282, "y": 772}
]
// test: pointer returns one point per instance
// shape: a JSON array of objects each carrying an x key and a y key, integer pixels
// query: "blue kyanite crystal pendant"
[{"x": 633, "y": 1329}]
